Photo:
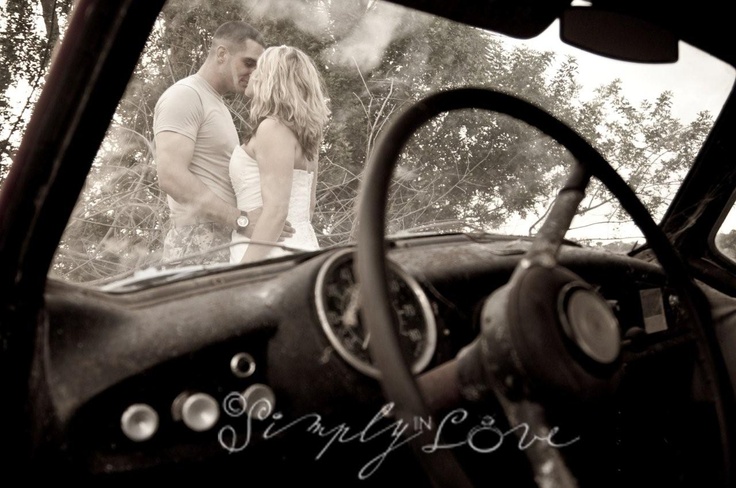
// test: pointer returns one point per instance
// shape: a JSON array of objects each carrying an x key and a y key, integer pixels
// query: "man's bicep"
[
  {"x": 173, "y": 156},
  {"x": 174, "y": 149}
]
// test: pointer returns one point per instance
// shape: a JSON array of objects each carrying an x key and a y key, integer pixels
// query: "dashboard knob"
[
  {"x": 242, "y": 365},
  {"x": 260, "y": 401},
  {"x": 198, "y": 411},
  {"x": 139, "y": 422}
]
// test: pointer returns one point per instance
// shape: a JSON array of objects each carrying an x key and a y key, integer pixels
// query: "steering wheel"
[{"x": 543, "y": 307}]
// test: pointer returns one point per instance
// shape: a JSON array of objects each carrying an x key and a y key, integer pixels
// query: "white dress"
[{"x": 246, "y": 181}]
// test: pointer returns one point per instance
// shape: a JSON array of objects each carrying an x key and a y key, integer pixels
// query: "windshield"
[{"x": 465, "y": 171}]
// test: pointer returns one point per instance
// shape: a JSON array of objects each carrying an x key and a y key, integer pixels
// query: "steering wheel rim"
[{"x": 400, "y": 386}]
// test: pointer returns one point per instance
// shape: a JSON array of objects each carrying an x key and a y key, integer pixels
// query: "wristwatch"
[{"x": 242, "y": 222}]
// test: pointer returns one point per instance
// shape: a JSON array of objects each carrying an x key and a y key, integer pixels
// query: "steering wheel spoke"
[{"x": 549, "y": 238}]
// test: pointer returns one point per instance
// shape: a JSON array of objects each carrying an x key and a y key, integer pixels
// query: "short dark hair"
[{"x": 236, "y": 32}]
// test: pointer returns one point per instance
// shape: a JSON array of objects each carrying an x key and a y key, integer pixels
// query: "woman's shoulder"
[
  {"x": 273, "y": 128},
  {"x": 272, "y": 124}
]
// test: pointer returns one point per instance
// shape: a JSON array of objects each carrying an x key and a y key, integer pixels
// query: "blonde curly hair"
[{"x": 288, "y": 87}]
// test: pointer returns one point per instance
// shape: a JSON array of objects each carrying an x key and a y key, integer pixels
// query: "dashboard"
[
  {"x": 337, "y": 297},
  {"x": 180, "y": 373}
]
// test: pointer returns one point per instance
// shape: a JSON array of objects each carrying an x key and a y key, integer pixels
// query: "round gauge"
[{"x": 338, "y": 305}]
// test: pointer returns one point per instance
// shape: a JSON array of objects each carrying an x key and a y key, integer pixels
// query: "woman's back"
[{"x": 245, "y": 177}]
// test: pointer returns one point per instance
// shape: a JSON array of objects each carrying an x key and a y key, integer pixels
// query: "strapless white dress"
[{"x": 246, "y": 181}]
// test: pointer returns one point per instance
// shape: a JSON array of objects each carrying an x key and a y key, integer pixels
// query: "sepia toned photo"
[{"x": 368, "y": 243}]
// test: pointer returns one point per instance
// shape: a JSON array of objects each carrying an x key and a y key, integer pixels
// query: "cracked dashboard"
[{"x": 202, "y": 369}]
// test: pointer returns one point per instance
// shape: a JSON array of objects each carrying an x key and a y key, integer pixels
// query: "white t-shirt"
[{"x": 193, "y": 108}]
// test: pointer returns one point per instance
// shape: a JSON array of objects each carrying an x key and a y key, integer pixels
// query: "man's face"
[
  {"x": 240, "y": 64},
  {"x": 249, "y": 88}
]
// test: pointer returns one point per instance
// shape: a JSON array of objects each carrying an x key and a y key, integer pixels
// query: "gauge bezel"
[{"x": 426, "y": 311}]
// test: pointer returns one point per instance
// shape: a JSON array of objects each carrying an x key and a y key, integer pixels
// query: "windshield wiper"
[
  {"x": 159, "y": 275},
  {"x": 167, "y": 271},
  {"x": 454, "y": 226},
  {"x": 470, "y": 231}
]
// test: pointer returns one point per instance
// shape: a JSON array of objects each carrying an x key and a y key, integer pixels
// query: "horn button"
[{"x": 547, "y": 333}]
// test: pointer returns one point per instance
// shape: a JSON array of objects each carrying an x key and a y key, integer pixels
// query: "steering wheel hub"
[
  {"x": 548, "y": 333},
  {"x": 589, "y": 323}
]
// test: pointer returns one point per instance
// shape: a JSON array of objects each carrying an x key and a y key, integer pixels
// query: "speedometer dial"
[{"x": 338, "y": 305}]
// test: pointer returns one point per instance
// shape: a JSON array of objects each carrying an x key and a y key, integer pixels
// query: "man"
[{"x": 194, "y": 139}]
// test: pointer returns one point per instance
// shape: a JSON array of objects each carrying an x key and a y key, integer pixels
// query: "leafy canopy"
[{"x": 483, "y": 169}]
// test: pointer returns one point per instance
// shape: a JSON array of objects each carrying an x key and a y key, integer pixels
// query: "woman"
[{"x": 277, "y": 167}]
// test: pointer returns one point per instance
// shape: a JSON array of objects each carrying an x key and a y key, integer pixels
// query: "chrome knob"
[
  {"x": 198, "y": 411},
  {"x": 139, "y": 422},
  {"x": 259, "y": 400},
  {"x": 242, "y": 365}
]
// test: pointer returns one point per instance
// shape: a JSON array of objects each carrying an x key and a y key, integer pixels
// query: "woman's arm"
[{"x": 275, "y": 147}]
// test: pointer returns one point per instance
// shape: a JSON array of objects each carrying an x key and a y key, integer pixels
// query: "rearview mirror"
[{"x": 618, "y": 36}]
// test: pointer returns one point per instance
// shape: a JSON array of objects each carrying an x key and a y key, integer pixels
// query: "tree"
[
  {"x": 480, "y": 168},
  {"x": 26, "y": 45},
  {"x": 726, "y": 243}
]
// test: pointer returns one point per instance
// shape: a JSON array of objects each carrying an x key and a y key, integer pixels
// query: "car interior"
[{"x": 425, "y": 359}]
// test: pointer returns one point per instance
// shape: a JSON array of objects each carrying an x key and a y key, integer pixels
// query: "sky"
[{"x": 698, "y": 82}]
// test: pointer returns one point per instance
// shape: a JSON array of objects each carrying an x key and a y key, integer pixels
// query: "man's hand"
[
  {"x": 287, "y": 232},
  {"x": 253, "y": 217},
  {"x": 173, "y": 156}
]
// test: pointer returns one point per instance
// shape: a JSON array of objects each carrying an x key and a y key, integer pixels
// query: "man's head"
[{"x": 235, "y": 49}]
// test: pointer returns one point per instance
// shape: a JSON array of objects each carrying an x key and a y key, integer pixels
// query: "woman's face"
[{"x": 251, "y": 81}]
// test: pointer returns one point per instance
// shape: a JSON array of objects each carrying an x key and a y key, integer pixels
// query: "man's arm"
[{"x": 173, "y": 155}]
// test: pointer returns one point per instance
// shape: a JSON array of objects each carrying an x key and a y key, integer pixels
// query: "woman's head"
[{"x": 287, "y": 85}]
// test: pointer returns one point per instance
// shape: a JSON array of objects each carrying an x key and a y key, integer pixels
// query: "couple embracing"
[{"x": 225, "y": 197}]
